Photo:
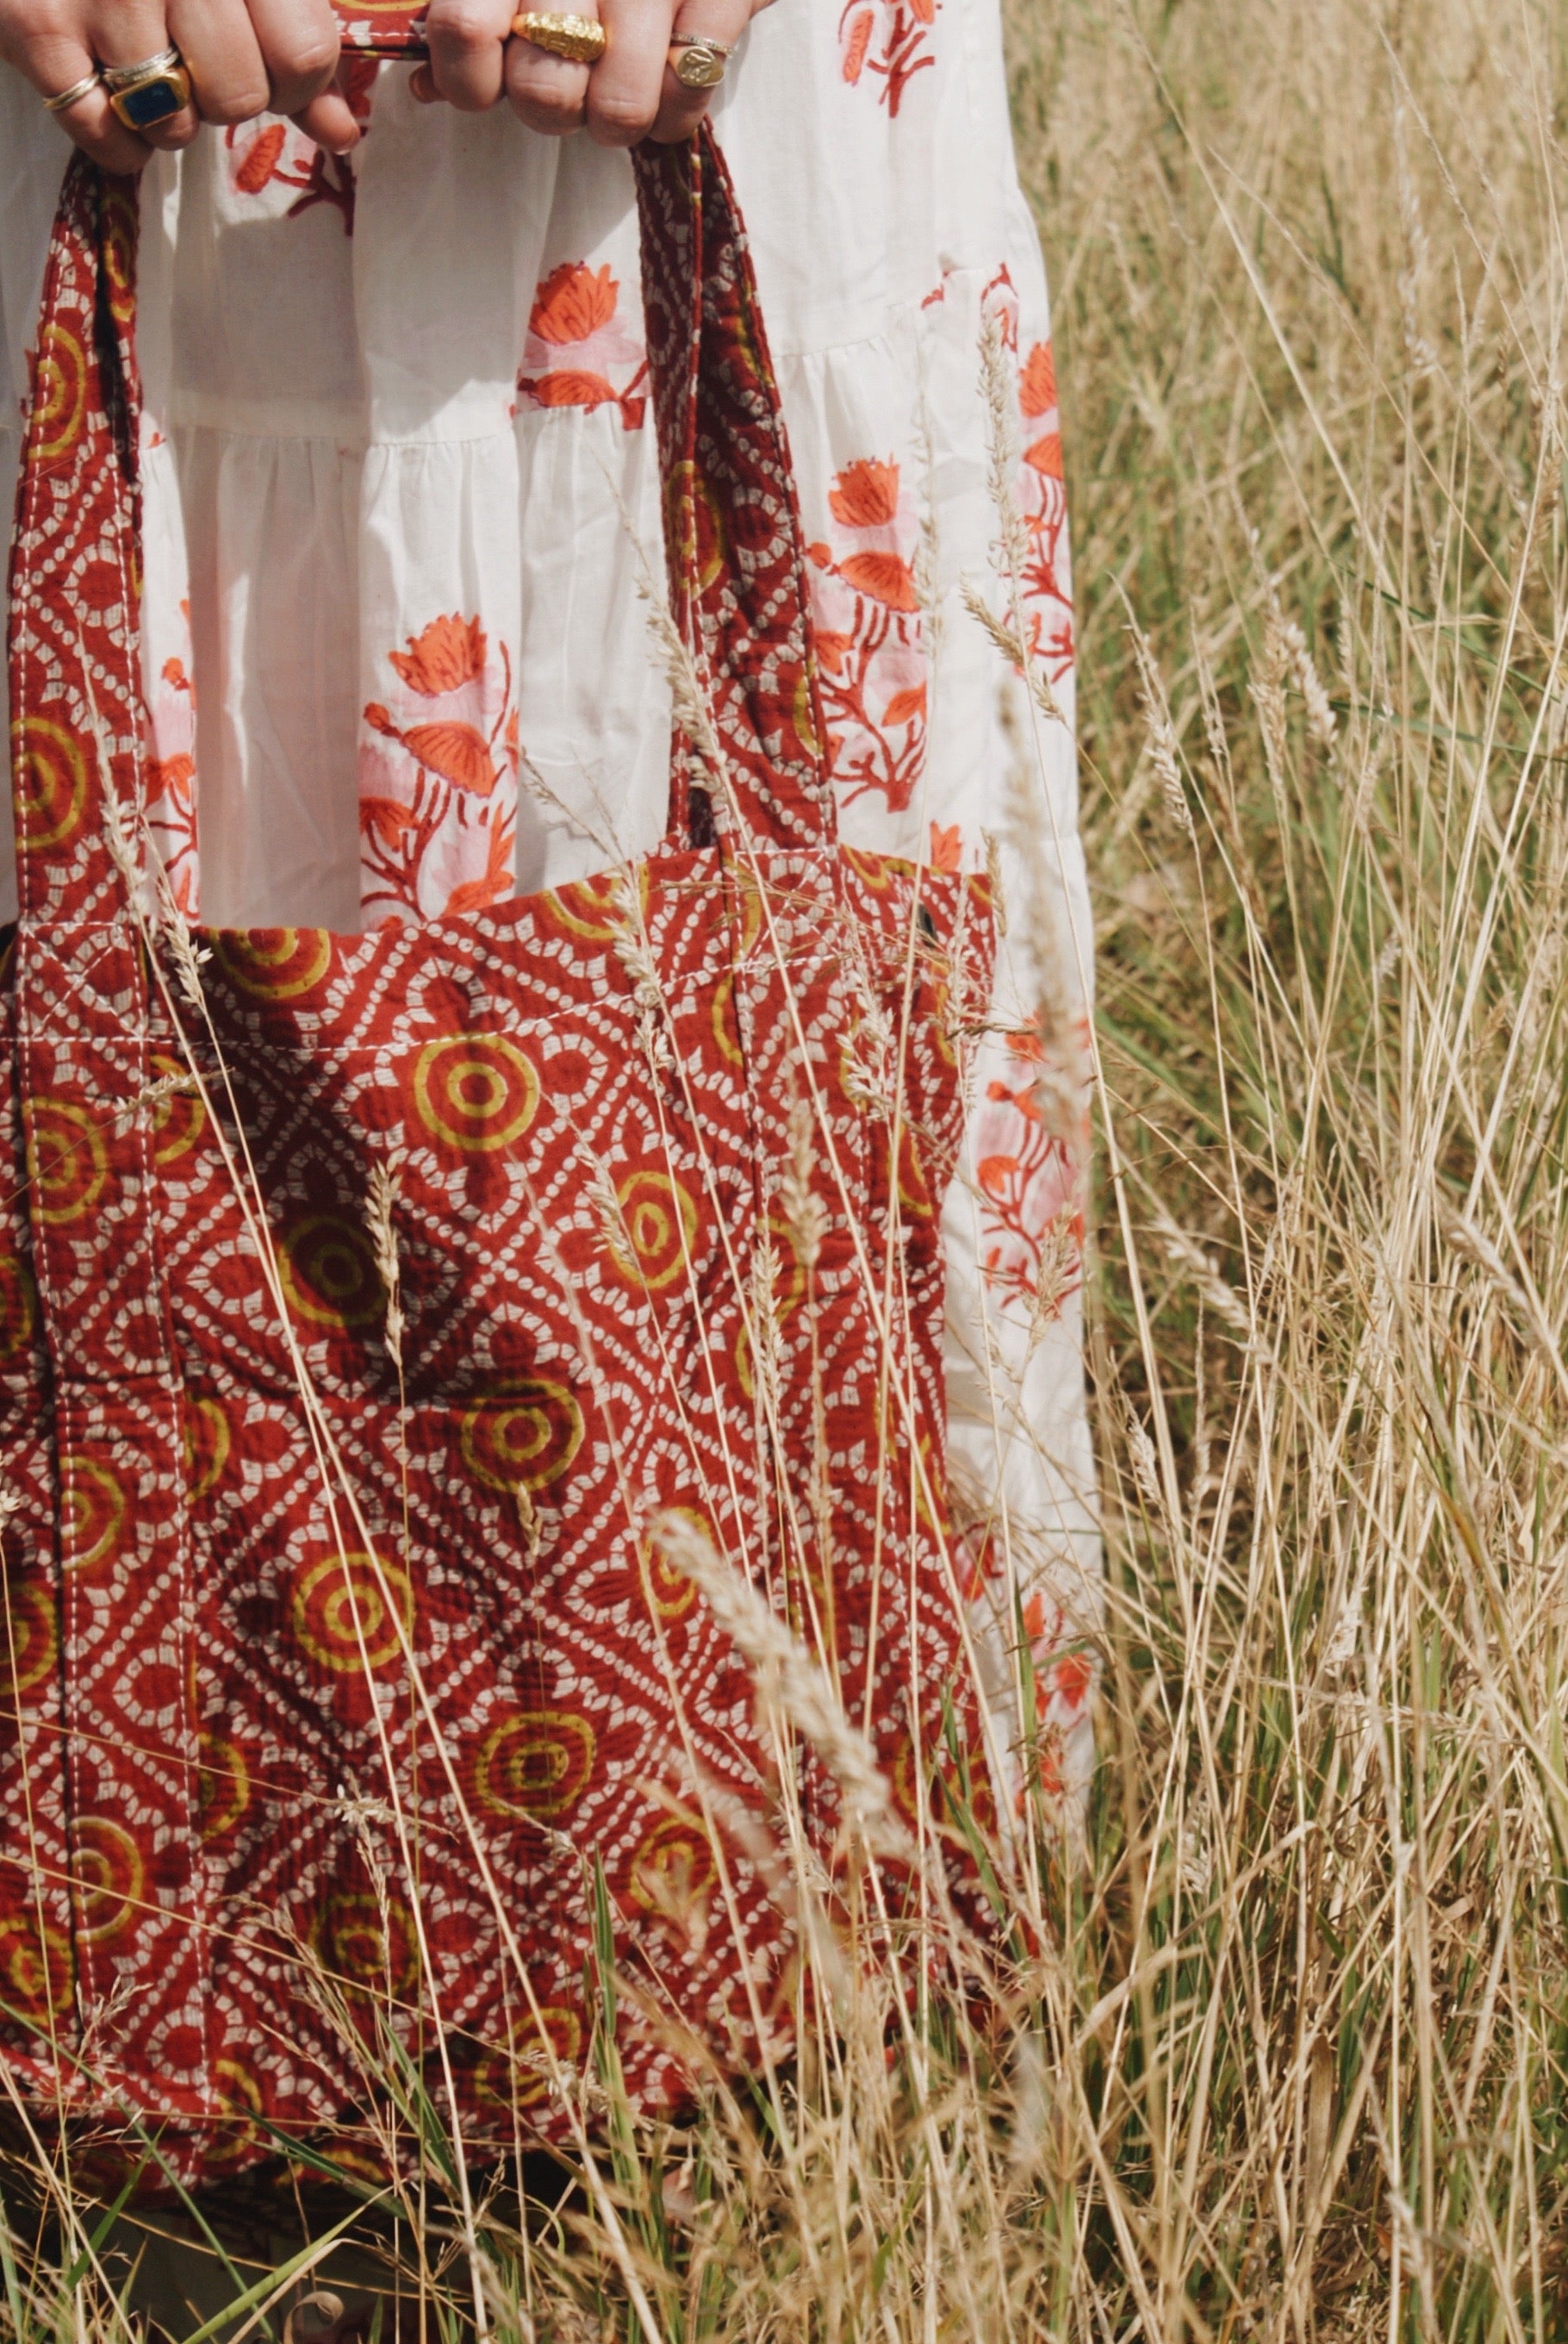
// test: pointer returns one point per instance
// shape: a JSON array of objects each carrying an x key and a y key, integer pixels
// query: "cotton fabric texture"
[
  {"x": 389, "y": 1302},
  {"x": 400, "y": 492}
]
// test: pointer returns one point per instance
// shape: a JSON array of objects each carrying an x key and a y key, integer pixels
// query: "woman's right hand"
[{"x": 245, "y": 58}]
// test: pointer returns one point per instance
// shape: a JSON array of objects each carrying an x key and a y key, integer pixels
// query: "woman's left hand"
[{"x": 630, "y": 93}]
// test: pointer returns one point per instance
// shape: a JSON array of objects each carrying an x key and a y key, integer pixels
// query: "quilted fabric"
[
  {"x": 385, "y": 28},
  {"x": 365, "y": 1300}
]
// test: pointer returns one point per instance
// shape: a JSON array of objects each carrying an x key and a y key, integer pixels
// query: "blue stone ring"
[{"x": 152, "y": 92}]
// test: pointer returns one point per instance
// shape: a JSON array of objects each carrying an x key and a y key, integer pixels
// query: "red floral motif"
[
  {"x": 447, "y": 655},
  {"x": 870, "y": 647},
  {"x": 438, "y": 808},
  {"x": 1064, "y": 1684},
  {"x": 947, "y": 847},
  {"x": 1040, "y": 490},
  {"x": 170, "y": 784},
  {"x": 574, "y": 338},
  {"x": 280, "y": 156},
  {"x": 888, "y": 40},
  {"x": 1055, "y": 1752},
  {"x": 1029, "y": 1140}
]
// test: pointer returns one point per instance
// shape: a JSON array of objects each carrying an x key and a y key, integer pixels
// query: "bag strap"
[
  {"x": 76, "y": 705},
  {"x": 737, "y": 558},
  {"x": 735, "y": 548}
]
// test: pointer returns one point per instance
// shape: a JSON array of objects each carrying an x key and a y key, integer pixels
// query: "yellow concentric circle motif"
[
  {"x": 238, "y": 2087},
  {"x": 179, "y": 1118},
  {"x": 592, "y": 908},
  {"x": 274, "y": 963},
  {"x": 673, "y": 1867},
  {"x": 342, "y": 1617},
  {"x": 671, "y": 1592},
  {"x": 535, "y": 1764},
  {"x": 30, "y": 1648},
  {"x": 521, "y": 2074},
  {"x": 207, "y": 1441},
  {"x": 60, "y": 392},
  {"x": 19, "y": 1306},
  {"x": 35, "y": 1968},
  {"x": 110, "y": 1874},
  {"x": 914, "y": 1189},
  {"x": 365, "y": 1946},
  {"x": 652, "y": 1242},
  {"x": 878, "y": 871},
  {"x": 327, "y": 1267},
  {"x": 726, "y": 1028},
  {"x": 92, "y": 1512},
  {"x": 223, "y": 1784},
  {"x": 522, "y": 1435},
  {"x": 120, "y": 257},
  {"x": 239, "y": 2094},
  {"x": 474, "y": 1092},
  {"x": 805, "y": 722},
  {"x": 52, "y": 791},
  {"x": 68, "y": 1161},
  {"x": 695, "y": 525}
]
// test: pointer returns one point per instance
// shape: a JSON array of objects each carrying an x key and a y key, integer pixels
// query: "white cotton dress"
[{"x": 400, "y": 486}]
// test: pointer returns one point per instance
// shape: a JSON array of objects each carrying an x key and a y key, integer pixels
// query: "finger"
[
  {"x": 222, "y": 56},
  {"x": 54, "y": 63},
  {"x": 127, "y": 33},
  {"x": 549, "y": 92},
  {"x": 466, "y": 40},
  {"x": 329, "y": 120},
  {"x": 627, "y": 85},
  {"x": 680, "y": 108},
  {"x": 300, "y": 43}
]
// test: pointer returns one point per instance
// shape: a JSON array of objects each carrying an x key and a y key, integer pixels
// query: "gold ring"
[
  {"x": 577, "y": 38},
  {"x": 697, "y": 62},
  {"x": 152, "y": 92},
  {"x": 76, "y": 94}
]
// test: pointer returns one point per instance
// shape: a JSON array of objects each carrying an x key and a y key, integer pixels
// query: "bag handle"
[
  {"x": 735, "y": 549},
  {"x": 738, "y": 576},
  {"x": 77, "y": 705}
]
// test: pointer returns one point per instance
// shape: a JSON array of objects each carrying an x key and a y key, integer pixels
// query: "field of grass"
[{"x": 1281, "y": 2052}]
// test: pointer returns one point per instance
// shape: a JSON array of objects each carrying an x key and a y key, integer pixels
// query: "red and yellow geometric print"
[{"x": 364, "y": 1299}]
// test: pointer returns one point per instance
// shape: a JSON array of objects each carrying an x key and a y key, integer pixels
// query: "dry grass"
[{"x": 1283, "y": 2054}]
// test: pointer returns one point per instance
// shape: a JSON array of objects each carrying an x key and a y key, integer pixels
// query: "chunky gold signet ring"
[
  {"x": 152, "y": 92},
  {"x": 697, "y": 62},
  {"x": 577, "y": 38}
]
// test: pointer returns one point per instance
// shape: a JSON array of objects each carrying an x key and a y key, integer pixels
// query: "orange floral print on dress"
[
  {"x": 447, "y": 655},
  {"x": 280, "y": 156},
  {"x": 870, "y": 643},
  {"x": 577, "y": 344},
  {"x": 438, "y": 778},
  {"x": 888, "y": 41},
  {"x": 1031, "y": 1139},
  {"x": 170, "y": 777},
  {"x": 1040, "y": 490},
  {"x": 947, "y": 847}
]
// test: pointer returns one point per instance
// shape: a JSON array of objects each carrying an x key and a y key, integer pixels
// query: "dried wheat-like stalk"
[{"x": 789, "y": 1682}]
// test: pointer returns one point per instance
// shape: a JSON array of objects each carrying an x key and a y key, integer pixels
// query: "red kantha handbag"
[{"x": 367, "y": 1299}]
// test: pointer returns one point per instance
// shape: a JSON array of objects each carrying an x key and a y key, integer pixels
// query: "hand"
[
  {"x": 245, "y": 58},
  {"x": 630, "y": 95}
]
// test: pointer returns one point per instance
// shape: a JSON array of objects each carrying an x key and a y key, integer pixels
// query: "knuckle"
[
  {"x": 621, "y": 118},
  {"x": 312, "y": 58},
  {"x": 551, "y": 115},
  {"x": 466, "y": 26},
  {"x": 235, "y": 104}
]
